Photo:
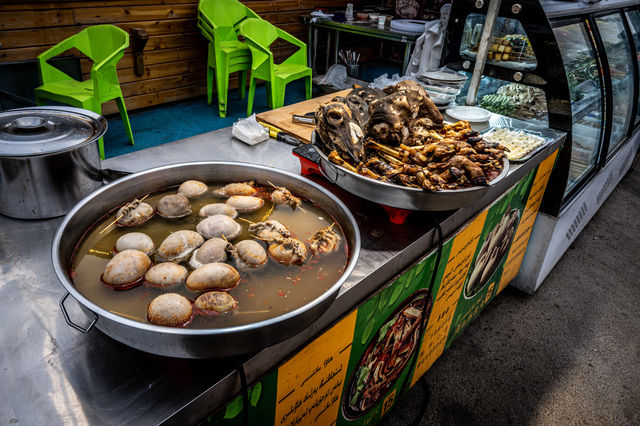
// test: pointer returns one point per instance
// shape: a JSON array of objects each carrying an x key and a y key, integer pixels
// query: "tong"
[{"x": 308, "y": 118}]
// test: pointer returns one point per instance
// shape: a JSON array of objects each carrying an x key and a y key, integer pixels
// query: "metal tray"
[
  {"x": 398, "y": 196},
  {"x": 195, "y": 343},
  {"x": 532, "y": 132}
]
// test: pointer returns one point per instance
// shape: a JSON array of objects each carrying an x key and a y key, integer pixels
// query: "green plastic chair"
[
  {"x": 218, "y": 21},
  {"x": 104, "y": 45},
  {"x": 259, "y": 35}
]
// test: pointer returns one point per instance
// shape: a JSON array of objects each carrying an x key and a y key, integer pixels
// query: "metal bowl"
[
  {"x": 398, "y": 196},
  {"x": 195, "y": 343}
]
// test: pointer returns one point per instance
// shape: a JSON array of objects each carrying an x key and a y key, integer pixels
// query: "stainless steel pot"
[
  {"x": 49, "y": 160},
  {"x": 401, "y": 197},
  {"x": 195, "y": 343}
]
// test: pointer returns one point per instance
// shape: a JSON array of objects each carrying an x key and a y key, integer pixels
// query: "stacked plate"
[
  {"x": 442, "y": 78},
  {"x": 442, "y": 86}
]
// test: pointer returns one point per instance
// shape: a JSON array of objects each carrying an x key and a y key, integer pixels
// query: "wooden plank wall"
[{"x": 174, "y": 56}]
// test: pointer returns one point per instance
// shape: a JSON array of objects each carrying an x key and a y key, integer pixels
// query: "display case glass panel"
[
  {"x": 634, "y": 24},
  {"x": 583, "y": 75},
  {"x": 618, "y": 50},
  {"x": 509, "y": 45}
]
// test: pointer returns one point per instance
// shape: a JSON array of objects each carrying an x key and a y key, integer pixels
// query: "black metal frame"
[
  {"x": 606, "y": 152},
  {"x": 550, "y": 76},
  {"x": 636, "y": 69},
  {"x": 582, "y": 20}
]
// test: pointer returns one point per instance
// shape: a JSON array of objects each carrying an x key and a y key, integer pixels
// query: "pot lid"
[{"x": 46, "y": 130}]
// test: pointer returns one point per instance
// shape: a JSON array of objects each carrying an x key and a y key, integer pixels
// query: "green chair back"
[
  {"x": 260, "y": 35},
  {"x": 224, "y": 13},
  {"x": 218, "y": 21},
  {"x": 104, "y": 45}
]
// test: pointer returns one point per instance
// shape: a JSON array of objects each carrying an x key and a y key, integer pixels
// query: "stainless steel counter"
[{"x": 53, "y": 374}]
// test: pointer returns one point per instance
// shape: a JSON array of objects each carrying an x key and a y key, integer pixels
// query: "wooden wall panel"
[{"x": 174, "y": 56}]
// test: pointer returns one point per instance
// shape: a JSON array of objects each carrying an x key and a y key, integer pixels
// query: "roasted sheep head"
[
  {"x": 359, "y": 99},
  {"x": 367, "y": 94},
  {"x": 405, "y": 85},
  {"x": 390, "y": 117},
  {"x": 427, "y": 108},
  {"x": 338, "y": 130}
]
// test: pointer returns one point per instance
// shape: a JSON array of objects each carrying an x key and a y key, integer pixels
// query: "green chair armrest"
[
  {"x": 300, "y": 56},
  {"x": 291, "y": 39},
  {"x": 207, "y": 32},
  {"x": 49, "y": 73},
  {"x": 113, "y": 56},
  {"x": 57, "y": 49}
]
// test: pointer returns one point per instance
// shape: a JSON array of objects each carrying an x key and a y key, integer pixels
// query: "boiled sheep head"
[{"x": 337, "y": 129}]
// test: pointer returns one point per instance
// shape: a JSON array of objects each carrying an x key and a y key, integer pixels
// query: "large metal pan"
[
  {"x": 401, "y": 197},
  {"x": 195, "y": 343}
]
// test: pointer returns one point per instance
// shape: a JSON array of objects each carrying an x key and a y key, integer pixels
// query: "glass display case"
[
  {"x": 587, "y": 107},
  {"x": 575, "y": 69},
  {"x": 618, "y": 53}
]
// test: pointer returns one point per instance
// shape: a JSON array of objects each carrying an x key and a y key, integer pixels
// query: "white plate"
[{"x": 469, "y": 113}]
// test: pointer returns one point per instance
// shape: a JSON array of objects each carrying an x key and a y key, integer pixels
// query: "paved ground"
[{"x": 570, "y": 354}]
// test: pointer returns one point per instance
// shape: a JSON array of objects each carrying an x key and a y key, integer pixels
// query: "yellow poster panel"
[
  {"x": 435, "y": 337},
  {"x": 523, "y": 233},
  {"x": 310, "y": 384}
]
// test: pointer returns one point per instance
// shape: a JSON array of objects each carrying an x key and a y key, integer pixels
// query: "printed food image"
[
  {"x": 492, "y": 252},
  {"x": 397, "y": 136},
  {"x": 388, "y": 353}
]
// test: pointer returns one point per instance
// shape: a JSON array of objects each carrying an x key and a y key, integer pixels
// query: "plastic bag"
[
  {"x": 384, "y": 80},
  {"x": 249, "y": 131},
  {"x": 336, "y": 76}
]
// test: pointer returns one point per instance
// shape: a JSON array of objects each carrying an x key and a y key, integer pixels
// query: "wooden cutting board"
[{"x": 281, "y": 117}]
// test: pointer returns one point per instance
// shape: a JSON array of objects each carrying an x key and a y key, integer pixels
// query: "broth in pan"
[{"x": 307, "y": 267}]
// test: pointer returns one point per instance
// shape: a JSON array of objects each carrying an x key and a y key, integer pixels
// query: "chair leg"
[
  {"x": 210, "y": 72},
  {"x": 277, "y": 94},
  {"x": 267, "y": 85},
  {"x": 222, "y": 80},
  {"x": 39, "y": 102},
  {"x": 242, "y": 83},
  {"x": 252, "y": 90},
  {"x": 101, "y": 148},
  {"x": 125, "y": 119},
  {"x": 308, "y": 86}
]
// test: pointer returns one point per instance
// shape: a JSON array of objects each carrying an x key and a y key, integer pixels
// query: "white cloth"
[{"x": 428, "y": 50}]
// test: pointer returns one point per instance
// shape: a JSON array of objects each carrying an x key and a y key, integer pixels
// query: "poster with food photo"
[
  {"x": 483, "y": 279},
  {"x": 386, "y": 336}
]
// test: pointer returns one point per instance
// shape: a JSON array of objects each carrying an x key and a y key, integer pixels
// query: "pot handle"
[{"x": 68, "y": 319}]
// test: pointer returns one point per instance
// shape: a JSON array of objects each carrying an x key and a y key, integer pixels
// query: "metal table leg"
[
  {"x": 335, "y": 53},
  {"x": 328, "y": 50},
  {"x": 407, "y": 56},
  {"x": 310, "y": 43},
  {"x": 314, "y": 47}
]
